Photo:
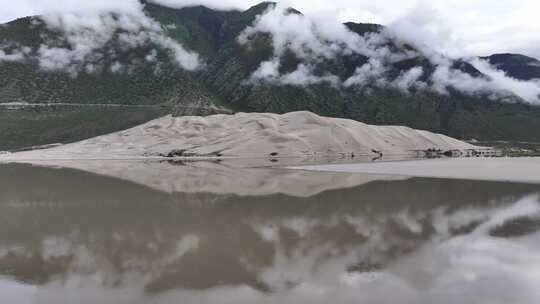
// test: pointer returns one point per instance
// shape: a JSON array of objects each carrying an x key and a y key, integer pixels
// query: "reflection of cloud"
[
  {"x": 468, "y": 267},
  {"x": 477, "y": 266},
  {"x": 188, "y": 243},
  {"x": 471, "y": 261},
  {"x": 54, "y": 247}
]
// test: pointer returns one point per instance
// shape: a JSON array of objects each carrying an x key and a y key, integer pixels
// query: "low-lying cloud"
[
  {"x": 314, "y": 40},
  {"x": 82, "y": 40},
  {"x": 13, "y": 54},
  {"x": 87, "y": 28}
]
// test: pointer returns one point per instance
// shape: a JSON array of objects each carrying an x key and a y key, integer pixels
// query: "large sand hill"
[{"x": 296, "y": 134}]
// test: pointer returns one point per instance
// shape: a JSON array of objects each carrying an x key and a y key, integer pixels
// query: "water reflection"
[{"x": 68, "y": 236}]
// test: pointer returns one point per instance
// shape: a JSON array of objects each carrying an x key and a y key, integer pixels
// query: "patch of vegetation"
[{"x": 31, "y": 126}]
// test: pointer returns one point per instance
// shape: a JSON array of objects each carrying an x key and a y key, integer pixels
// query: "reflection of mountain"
[{"x": 70, "y": 231}]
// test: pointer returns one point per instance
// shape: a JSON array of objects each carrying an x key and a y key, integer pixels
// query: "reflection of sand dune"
[
  {"x": 220, "y": 178},
  {"x": 297, "y": 134}
]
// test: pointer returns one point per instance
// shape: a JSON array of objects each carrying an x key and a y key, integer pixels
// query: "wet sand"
[{"x": 523, "y": 169}]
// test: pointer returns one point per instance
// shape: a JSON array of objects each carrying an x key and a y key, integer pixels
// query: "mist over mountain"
[
  {"x": 516, "y": 66},
  {"x": 65, "y": 77}
]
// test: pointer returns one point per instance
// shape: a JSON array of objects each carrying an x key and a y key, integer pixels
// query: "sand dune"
[{"x": 296, "y": 134}]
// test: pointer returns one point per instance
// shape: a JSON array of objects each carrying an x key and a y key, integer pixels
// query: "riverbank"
[{"x": 516, "y": 169}]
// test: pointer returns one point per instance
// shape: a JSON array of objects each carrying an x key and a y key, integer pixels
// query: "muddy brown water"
[{"x": 69, "y": 236}]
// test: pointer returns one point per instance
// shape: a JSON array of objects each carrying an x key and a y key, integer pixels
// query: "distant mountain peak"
[
  {"x": 364, "y": 28},
  {"x": 517, "y": 58}
]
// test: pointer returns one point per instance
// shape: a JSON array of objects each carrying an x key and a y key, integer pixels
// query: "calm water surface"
[{"x": 207, "y": 233}]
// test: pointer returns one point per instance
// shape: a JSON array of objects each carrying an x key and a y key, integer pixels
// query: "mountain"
[
  {"x": 516, "y": 66},
  {"x": 41, "y": 106}
]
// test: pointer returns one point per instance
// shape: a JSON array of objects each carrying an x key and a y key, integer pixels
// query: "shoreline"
[
  {"x": 501, "y": 169},
  {"x": 243, "y": 162},
  {"x": 505, "y": 169}
]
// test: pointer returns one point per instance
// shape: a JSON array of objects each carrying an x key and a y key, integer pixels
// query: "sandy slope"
[{"x": 248, "y": 135}]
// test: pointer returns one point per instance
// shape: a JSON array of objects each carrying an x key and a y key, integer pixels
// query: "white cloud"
[
  {"x": 473, "y": 28},
  {"x": 410, "y": 79},
  {"x": 315, "y": 39},
  {"x": 304, "y": 75},
  {"x": 186, "y": 59},
  {"x": 481, "y": 27},
  {"x": 454, "y": 29},
  {"x": 88, "y": 28},
  {"x": 268, "y": 69},
  {"x": 367, "y": 74},
  {"x": 16, "y": 9},
  {"x": 87, "y": 33},
  {"x": 528, "y": 90},
  {"x": 14, "y": 54},
  {"x": 116, "y": 67}
]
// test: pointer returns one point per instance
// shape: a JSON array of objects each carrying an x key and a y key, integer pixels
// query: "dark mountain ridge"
[{"x": 515, "y": 65}]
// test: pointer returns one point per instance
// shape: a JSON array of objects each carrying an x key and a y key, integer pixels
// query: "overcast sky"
[{"x": 454, "y": 27}]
